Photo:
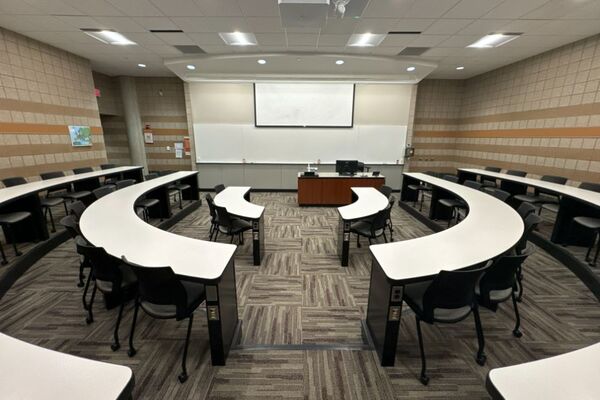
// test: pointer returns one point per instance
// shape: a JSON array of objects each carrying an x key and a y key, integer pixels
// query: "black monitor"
[{"x": 346, "y": 167}]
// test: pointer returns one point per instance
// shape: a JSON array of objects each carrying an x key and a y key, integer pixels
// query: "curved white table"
[
  {"x": 573, "y": 202},
  {"x": 573, "y": 375},
  {"x": 490, "y": 228},
  {"x": 236, "y": 199},
  {"x": 369, "y": 201},
  {"x": 112, "y": 223},
  {"x": 28, "y": 371},
  {"x": 25, "y": 197}
]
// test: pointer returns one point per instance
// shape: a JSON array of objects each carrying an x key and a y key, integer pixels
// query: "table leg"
[
  {"x": 406, "y": 194},
  {"x": 31, "y": 229},
  {"x": 258, "y": 239},
  {"x": 344, "y": 241},
  {"x": 383, "y": 314},
  {"x": 222, "y": 314}
]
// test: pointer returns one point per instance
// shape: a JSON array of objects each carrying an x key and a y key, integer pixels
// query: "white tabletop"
[
  {"x": 490, "y": 228},
  {"x": 587, "y": 196},
  {"x": 337, "y": 175},
  {"x": 370, "y": 201},
  {"x": 111, "y": 222},
  {"x": 15, "y": 192},
  {"x": 232, "y": 198},
  {"x": 573, "y": 375},
  {"x": 32, "y": 372}
]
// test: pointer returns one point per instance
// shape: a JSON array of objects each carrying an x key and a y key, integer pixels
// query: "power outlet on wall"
[{"x": 168, "y": 148}]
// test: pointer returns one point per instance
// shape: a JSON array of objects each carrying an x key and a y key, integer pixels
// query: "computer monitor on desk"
[{"x": 346, "y": 167}]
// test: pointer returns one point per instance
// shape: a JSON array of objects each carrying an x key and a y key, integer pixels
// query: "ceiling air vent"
[
  {"x": 413, "y": 51},
  {"x": 189, "y": 49},
  {"x": 166, "y": 31},
  {"x": 404, "y": 33}
]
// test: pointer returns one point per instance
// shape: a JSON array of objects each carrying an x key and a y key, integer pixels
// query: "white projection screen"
[{"x": 307, "y": 105}]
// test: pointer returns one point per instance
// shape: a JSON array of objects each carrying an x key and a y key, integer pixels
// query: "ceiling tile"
[
  {"x": 375, "y": 25},
  {"x": 399, "y": 41},
  {"x": 302, "y": 39},
  {"x": 27, "y": 23},
  {"x": 459, "y": 41},
  {"x": 514, "y": 8},
  {"x": 17, "y": 7},
  {"x": 428, "y": 40},
  {"x": 554, "y": 9},
  {"x": 55, "y": 7},
  {"x": 413, "y": 24},
  {"x": 145, "y": 38},
  {"x": 157, "y": 23},
  {"x": 178, "y": 8},
  {"x": 270, "y": 39},
  {"x": 339, "y": 26},
  {"x": 572, "y": 27},
  {"x": 590, "y": 10},
  {"x": 264, "y": 24},
  {"x": 430, "y": 8},
  {"x": 136, "y": 8},
  {"x": 484, "y": 26},
  {"x": 174, "y": 38},
  {"x": 259, "y": 8},
  {"x": 219, "y": 8},
  {"x": 387, "y": 8},
  {"x": 120, "y": 24},
  {"x": 94, "y": 8},
  {"x": 211, "y": 24},
  {"x": 211, "y": 38},
  {"x": 471, "y": 8},
  {"x": 326, "y": 40},
  {"x": 447, "y": 26}
]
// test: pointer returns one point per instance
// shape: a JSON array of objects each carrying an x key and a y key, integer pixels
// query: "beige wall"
[
  {"x": 541, "y": 115},
  {"x": 42, "y": 91}
]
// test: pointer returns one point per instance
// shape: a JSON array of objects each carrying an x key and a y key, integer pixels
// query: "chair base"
[
  {"x": 182, "y": 377},
  {"x": 481, "y": 359},
  {"x": 424, "y": 379}
]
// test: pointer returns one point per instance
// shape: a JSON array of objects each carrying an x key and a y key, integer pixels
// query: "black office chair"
[
  {"x": 386, "y": 191},
  {"x": 219, "y": 188},
  {"x": 421, "y": 188},
  {"x": 103, "y": 191},
  {"x": 530, "y": 222},
  {"x": 229, "y": 225},
  {"x": 63, "y": 191},
  {"x": 388, "y": 222},
  {"x": 373, "y": 227},
  {"x": 107, "y": 166},
  {"x": 164, "y": 296},
  {"x": 450, "y": 178},
  {"x": 456, "y": 205},
  {"x": 553, "y": 207},
  {"x": 525, "y": 209},
  {"x": 499, "y": 283},
  {"x": 488, "y": 182},
  {"x": 76, "y": 209},
  {"x": 500, "y": 194},
  {"x": 145, "y": 204},
  {"x": 516, "y": 172},
  {"x": 45, "y": 202},
  {"x": 82, "y": 170},
  {"x": 124, "y": 183},
  {"x": 8, "y": 222},
  {"x": 449, "y": 298},
  {"x": 70, "y": 224},
  {"x": 214, "y": 218},
  {"x": 151, "y": 175},
  {"x": 112, "y": 278},
  {"x": 179, "y": 187},
  {"x": 542, "y": 196}
]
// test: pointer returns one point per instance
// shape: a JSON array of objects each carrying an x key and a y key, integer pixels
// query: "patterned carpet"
[{"x": 301, "y": 311}]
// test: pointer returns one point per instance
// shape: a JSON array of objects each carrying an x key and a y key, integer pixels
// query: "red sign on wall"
[{"x": 97, "y": 92}]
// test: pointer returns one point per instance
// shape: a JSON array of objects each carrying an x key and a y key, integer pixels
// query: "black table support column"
[
  {"x": 258, "y": 239},
  {"x": 32, "y": 229},
  {"x": 344, "y": 241}
]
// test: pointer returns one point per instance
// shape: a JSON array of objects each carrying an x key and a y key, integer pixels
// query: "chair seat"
[
  {"x": 51, "y": 201},
  {"x": 146, "y": 203},
  {"x": 237, "y": 226},
  {"x": 452, "y": 203},
  {"x": 487, "y": 183},
  {"x": 181, "y": 186},
  {"x": 535, "y": 199},
  {"x": 13, "y": 217},
  {"x": 588, "y": 222},
  {"x": 363, "y": 228},
  {"x": 419, "y": 187},
  {"x": 195, "y": 297},
  {"x": 551, "y": 207},
  {"x": 128, "y": 279},
  {"x": 76, "y": 195},
  {"x": 496, "y": 296},
  {"x": 413, "y": 295}
]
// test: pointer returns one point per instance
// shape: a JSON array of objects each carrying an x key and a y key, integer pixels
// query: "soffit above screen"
[{"x": 300, "y": 66}]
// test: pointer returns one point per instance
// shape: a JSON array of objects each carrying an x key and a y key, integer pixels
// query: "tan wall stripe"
[
  {"x": 35, "y": 170},
  {"x": 164, "y": 118},
  {"x": 40, "y": 129},
  {"x": 517, "y": 133},
  {"x": 34, "y": 149},
  {"x": 167, "y": 131},
  {"x": 42, "y": 108}
]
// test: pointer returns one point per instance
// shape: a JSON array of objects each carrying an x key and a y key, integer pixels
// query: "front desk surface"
[{"x": 333, "y": 189}]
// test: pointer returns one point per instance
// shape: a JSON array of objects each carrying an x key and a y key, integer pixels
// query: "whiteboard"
[
  {"x": 238, "y": 143},
  {"x": 304, "y": 104}
]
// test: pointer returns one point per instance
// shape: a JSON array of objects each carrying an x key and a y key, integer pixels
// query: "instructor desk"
[{"x": 333, "y": 189}]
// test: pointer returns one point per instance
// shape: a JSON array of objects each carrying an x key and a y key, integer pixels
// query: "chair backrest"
[
  {"x": 450, "y": 290},
  {"x": 219, "y": 188},
  {"x": 160, "y": 285},
  {"x": 211, "y": 205},
  {"x": 500, "y": 194},
  {"x": 451, "y": 178},
  {"x": 105, "y": 267},
  {"x": 525, "y": 209},
  {"x": 594, "y": 187},
  {"x": 386, "y": 191},
  {"x": 14, "y": 181},
  {"x": 516, "y": 172},
  {"x": 71, "y": 226},
  {"x": 107, "y": 166},
  {"x": 103, "y": 191},
  {"x": 52, "y": 175},
  {"x": 151, "y": 175},
  {"x": 76, "y": 208},
  {"x": 472, "y": 184},
  {"x": 165, "y": 172},
  {"x": 82, "y": 170},
  {"x": 531, "y": 222},
  {"x": 493, "y": 169},
  {"x": 124, "y": 183},
  {"x": 379, "y": 221},
  {"x": 224, "y": 216},
  {"x": 392, "y": 201},
  {"x": 501, "y": 275},
  {"x": 561, "y": 180}
]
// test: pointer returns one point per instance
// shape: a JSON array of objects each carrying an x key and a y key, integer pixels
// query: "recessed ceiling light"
[
  {"x": 142, "y": 65},
  {"x": 339, "y": 62},
  {"x": 494, "y": 40},
  {"x": 410, "y": 69},
  {"x": 262, "y": 62},
  {"x": 108, "y": 37},
  {"x": 366, "y": 39},
  {"x": 460, "y": 68},
  {"x": 191, "y": 67},
  {"x": 238, "y": 38}
]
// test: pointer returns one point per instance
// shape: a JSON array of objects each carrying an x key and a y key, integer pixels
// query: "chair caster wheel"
[
  {"x": 131, "y": 352},
  {"x": 182, "y": 377},
  {"x": 89, "y": 320},
  {"x": 115, "y": 346},
  {"x": 80, "y": 284},
  {"x": 481, "y": 359},
  {"x": 517, "y": 333},
  {"x": 424, "y": 380}
]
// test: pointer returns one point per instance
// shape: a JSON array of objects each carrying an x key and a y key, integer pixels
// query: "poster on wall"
[
  {"x": 80, "y": 135},
  {"x": 178, "y": 149},
  {"x": 186, "y": 145},
  {"x": 148, "y": 137}
]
